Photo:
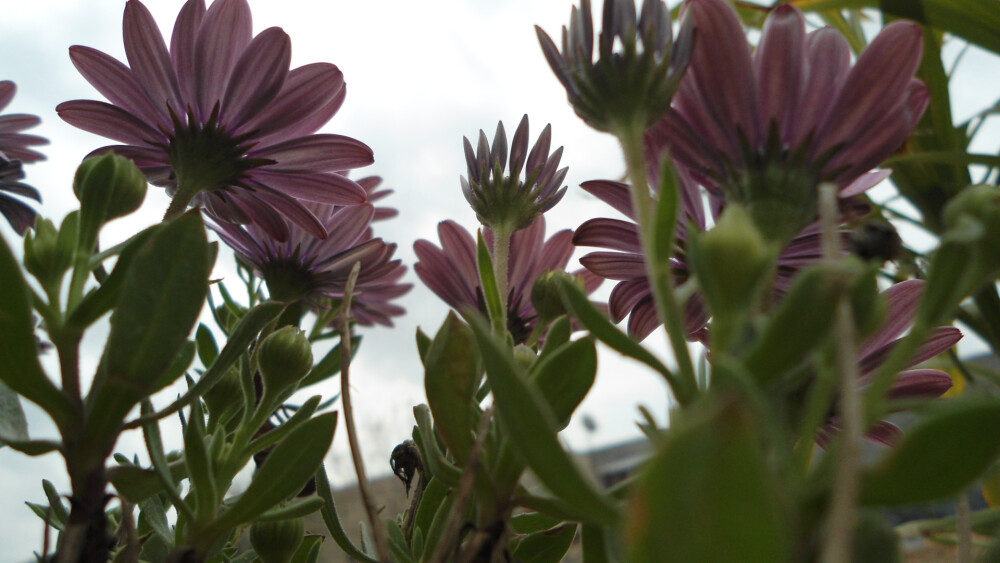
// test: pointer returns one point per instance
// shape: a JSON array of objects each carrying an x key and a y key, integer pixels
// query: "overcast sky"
[{"x": 420, "y": 76}]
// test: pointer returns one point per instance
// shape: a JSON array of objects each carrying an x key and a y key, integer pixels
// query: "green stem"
[
  {"x": 501, "y": 259},
  {"x": 660, "y": 276},
  {"x": 182, "y": 197}
]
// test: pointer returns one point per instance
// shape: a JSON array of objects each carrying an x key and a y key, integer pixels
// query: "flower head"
[
  {"x": 628, "y": 85},
  {"x": 509, "y": 201},
  {"x": 903, "y": 300},
  {"x": 450, "y": 271},
  {"x": 15, "y": 149},
  {"x": 307, "y": 268},
  {"x": 220, "y": 120},
  {"x": 766, "y": 127}
]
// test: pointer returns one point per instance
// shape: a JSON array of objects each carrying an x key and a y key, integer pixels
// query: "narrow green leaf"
[
  {"x": 102, "y": 299},
  {"x": 162, "y": 469},
  {"x": 21, "y": 370},
  {"x": 434, "y": 459},
  {"x": 153, "y": 515},
  {"x": 242, "y": 335},
  {"x": 308, "y": 551},
  {"x": 295, "y": 509},
  {"x": 137, "y": 484},
  {"x": 397, "y": 542},
  {"x": 666, "y": 213},
  {"x": 531, "y": 522},
  {"x": 275, "y": 435},
  {"x": 450, "y": 379},
  {"x": 565, "y": 376},
  {"x": 59, "y": 511},
  {"x": 13, "y": 424},
  {"x": 595, "y": 545},
  {"x": 436, "y": 528},
  {"x": 532, "y": 428},
  {"x": 423, "y": 344},
  {"x": 488, "y": 281},
  {"x": 161, "y": 297},
  {"x": 199, "y": 465},
  {"x": 434, "y": 495},
  {"x": 283, "y": 473},
  {"x": 940, "y": 455},
  {"x": 601, "y": 327},
  {"x": 208, "y": 350},
  {"x": 549, "y": 546},
  {"x": 559, "y": 332},
  {"x": 332, "y": 519},
  {"x": 707, "y": 494}
]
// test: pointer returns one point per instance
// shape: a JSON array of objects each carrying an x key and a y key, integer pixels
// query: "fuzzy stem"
[
  {"x": 660, "y": 277},
  {"x": 839, "y": 541},
  {"x": 346, "y": 334},
  {"x": 963, "y": 524},
  {"x": 501, "y": 259}
]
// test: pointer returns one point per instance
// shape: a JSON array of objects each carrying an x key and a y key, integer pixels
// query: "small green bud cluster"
[
  {"x": 48, "y": 254},
  {"x": 108, "y": 187},
  {"x": 284, "y": 358},
  {"x": 277, "y": 542}
]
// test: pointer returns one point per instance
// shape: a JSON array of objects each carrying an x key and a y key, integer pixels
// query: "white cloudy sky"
[{"x": 420, "y": 75}]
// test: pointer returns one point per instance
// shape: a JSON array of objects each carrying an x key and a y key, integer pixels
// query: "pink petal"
[
  {"x": 14, "y": 122},
  {"x": 257, "y": 77},
  {"x": 318, "y": 153},
  {"x": 7, "y": 91},
  {"x": 460, "y": 247},
  {"x": 875, "y": 84},
  {"x": 182, "y": 44},
  {"x": 829, "y": 60},
  {"x": 525, "y": 246},
  {"x": 148, "y": 57},
  {"x": 615, "y": 265},
  {"x": 306, "y": 89},
  {"x": 117, "y": 83},
  {"x": 293, "y": 210},
  {"x": 902, "y": 299},
  {"x": 349, "y": 223},
  {"x": 224, "y": 34},
  {"x": 643, "y": 319},
  {"x": 626, "y": 295},
  {"x": 319, "y": 187},
  {"x": 863, "y": 183},
  {"x": 608, "y": 233},
  {"x": 615, "y": 194},
  {"x": 438, "y": 274},
  {"x": 780, "y": 66},
  {"x": 263, "y": 215},
  {"x": 920, "y": 383},
  {"x": 555, "y": 254},
  {"x": 108, "y": 121}
]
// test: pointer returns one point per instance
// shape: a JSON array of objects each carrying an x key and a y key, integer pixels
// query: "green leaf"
[
  {"x": 104, "y": 298},
  {"x": 291, "y": 464},
  {"x": 137, "y": 484},
  {"x": 601, "y": 327},
  {"x": 940, "y": 455},
  {"x": 707, "y": 493},
  {"x": 423, "y": 344},
  {"x": 332, "y": 520},
  {"x": 549, "y": 546},
  {"x": 161, "y": 468},
  {"x": 59, "y": 512},
  {"x": 161, "y": 297},
  {"x": 397, "y": 542},
  {"x": 565, "y": 376},
  {"x": 295, "y": 509},
  {"x": 208, "y": 350},
  {"x": 488, "y": 281},
  {"x": 199, "y": 465},
  {"x": 242, "y": 335},
  {"x": 308, "y": 551},
  {"x": 531, "y": 522},
  {"x": 450, "y": 380},
  {"x": 532, "y": 428},
  {"x": 595, "y": 545},
  {"x": 432, "y": 499},
  {"x": 153, "y": 515},
  {"x": 21, "y": 370},
  {"x": 13, "y": 424},
  {"x": 434, "y": 459},
  {"x": 275, "y": 435},
  {"x": 559, "y": 332}
]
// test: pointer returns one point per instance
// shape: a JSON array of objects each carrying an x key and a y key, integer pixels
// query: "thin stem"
[
  {"x": 346, "y": 334},
  {"x": 839, "y": 541},
  {"x": 501, "y": 259},
  {"x": 661, "y": 279},
  {"x": 963, "y": 528}
]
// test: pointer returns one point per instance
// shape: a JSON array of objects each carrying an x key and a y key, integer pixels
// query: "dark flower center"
[{"x": 289, "y": 280}]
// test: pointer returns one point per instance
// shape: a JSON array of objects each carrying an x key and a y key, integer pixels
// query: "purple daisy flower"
[
  {"x": 371, "y": 186},
  {"x": 451, "y": 272},
  {"x": 312, "y": 269},
  {"x": 219, "y": 120},
  {"x": 766, "y": 127},
  {"x": 903, "y": 299},
  {"x": 14, "y": 149}
]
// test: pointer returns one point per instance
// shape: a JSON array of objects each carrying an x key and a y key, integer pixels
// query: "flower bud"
[
  {"x": 284, "y": 358},
  {"x": 524, "y": 355},
  {"x": 112, "y": 182},
  {"x": 276, "y": 542},
  {"x": 545, "y": 294},
  {"x": 978, "y": 207},
  {"x": 48, "y": 253}
]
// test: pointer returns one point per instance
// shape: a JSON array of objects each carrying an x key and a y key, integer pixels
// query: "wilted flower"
[
  {"x": 628, "y": 86},
  {"x": 509, "y": 202},
  {"x": 220, "y": 120},
  {"x": 312, "y": 269},
  {"x": 903, "y": 299},
  {"x": 765, "y": 128},
  {"x": 14, "y": 149},
  {"x": 451, "y": 272}
]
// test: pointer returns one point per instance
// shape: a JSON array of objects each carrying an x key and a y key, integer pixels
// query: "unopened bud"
[
  {"x": 110, "y": 182},
  {"x": 48, "y": 253},
  {"x": 284, "y": 358},
  {"x": 545, "y": 294},
  {"x": 277, "y": 542},
  {"x": 978, "y": 206}
]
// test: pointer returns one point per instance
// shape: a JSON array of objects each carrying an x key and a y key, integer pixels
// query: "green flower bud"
[
  {"x": 48, "y": 254},
  {"x": 524, "y": 355},
  {"x": 733, "y": 264},
  {"x": 284, "y": 358},
  {"x": 224, "y": 396},
  {"x": 108, "y": 186},
  {"x": 976, "y": 211},
  {"x": 276, "y": 542},
  {"x": 545, "y": 294}
]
